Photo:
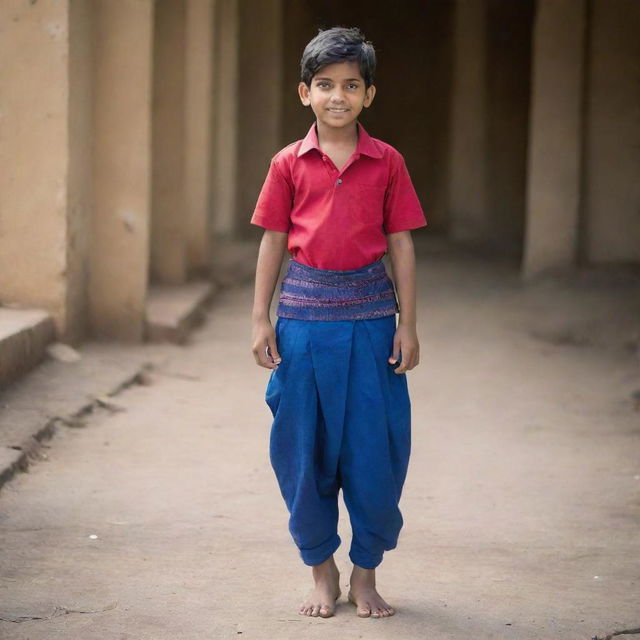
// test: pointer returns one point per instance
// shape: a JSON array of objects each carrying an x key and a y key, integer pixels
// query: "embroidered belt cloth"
[{"x": 308, "y": 293}]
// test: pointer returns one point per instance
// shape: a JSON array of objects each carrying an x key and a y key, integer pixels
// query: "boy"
[{"x": 338, "y": 199}]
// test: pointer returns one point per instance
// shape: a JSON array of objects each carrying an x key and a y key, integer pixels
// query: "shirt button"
[
  {"x": 324, "y": 158},
  {"x": 339, "y": 181}
]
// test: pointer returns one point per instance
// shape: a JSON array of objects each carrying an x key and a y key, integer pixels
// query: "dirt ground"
[{"x": 162, "y": 519}]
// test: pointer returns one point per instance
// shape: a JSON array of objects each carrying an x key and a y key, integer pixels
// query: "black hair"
[{"x": 339, "y": 44}]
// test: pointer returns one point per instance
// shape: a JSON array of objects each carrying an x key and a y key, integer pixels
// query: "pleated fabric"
[{"x": 341, "y": 420}]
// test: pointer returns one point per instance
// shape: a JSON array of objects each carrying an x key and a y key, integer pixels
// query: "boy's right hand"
[{"x": 265, "y": 349}]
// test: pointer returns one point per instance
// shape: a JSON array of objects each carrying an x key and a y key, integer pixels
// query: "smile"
[{"x": 338, "y": 110}]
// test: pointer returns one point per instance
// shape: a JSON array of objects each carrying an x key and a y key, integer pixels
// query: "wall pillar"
[
  {"x": 260, "y": 66},
  {"x": 225, "y": 169},
  {"x": 555, "y": 144},
  {"x": 122, "y": 168},
  {"x": 198, "y": 130},
  {"x": 467, "y": 189},
  {"x": 45, "y": 182},
  {"x": 612, "y": 140},
  {"x": 168, "y": 213}
]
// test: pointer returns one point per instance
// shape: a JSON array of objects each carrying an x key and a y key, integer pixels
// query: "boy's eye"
[
  {"x": 322, "y": 84},
  {"x": 352, "y": 85}
]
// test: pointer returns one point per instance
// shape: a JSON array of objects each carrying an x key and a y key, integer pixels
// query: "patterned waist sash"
[{"x": 308, "y": 293}]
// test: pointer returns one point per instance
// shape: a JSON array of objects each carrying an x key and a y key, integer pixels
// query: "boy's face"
[{"x": 337, "y": 94}]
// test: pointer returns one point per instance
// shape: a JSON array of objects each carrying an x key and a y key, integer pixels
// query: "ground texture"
[{"x": 161, "y": 517}]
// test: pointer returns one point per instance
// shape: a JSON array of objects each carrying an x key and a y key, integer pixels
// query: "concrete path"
[{"x": 163, "y": 520}]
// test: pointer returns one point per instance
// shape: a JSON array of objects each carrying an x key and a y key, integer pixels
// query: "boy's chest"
[
  {"x": 314, "y": 174},
  {"x": 354, "y": 193}
]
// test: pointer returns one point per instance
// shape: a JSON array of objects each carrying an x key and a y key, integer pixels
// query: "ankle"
[
  {"x": 363, "y": 577},
  {"x": 324, "y": 569}
]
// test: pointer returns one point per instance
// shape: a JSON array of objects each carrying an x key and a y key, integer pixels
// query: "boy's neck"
[{"x": 343, "y": 136}]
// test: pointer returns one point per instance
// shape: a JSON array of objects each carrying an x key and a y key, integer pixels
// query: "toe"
[
  {"x": 325, "y": 611},
  {"x": 315, "y": 611}
]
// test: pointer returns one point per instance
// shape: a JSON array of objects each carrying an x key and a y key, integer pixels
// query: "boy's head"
[
  {"x": 339, "y": 44},
  {"x": 337, "y": 76}
]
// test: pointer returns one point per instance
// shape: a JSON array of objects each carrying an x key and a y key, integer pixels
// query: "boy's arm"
[
  {"x": 270, "y": 254},
  {"x": 403, "y": 262}
]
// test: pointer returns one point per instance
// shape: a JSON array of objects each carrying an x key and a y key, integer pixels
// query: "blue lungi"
[{"x": 342, "y": 420}]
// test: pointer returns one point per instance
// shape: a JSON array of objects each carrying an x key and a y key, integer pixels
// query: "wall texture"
[
  {"x": 260, "y": 98},
  {"x": 611, "y": 229},
  {"x": 45, "y": 146}
]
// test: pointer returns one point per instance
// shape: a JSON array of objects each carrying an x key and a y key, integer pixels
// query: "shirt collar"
[{"x": 366, "y": 145}]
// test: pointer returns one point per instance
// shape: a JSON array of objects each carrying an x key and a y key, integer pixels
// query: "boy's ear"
[
  {"x": 368, "y": 96},
  {"x": 303, "y": 92}
]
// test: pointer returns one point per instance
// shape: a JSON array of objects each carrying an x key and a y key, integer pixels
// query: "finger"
[
  {"x": 405, "y": 361},
  {"x": 410, "y": 361},
  {"x": 260, "y": 354},
  {"x": 269, "y": 361},
  {"x": 272, "y": 350},
  {"x": 402, "y": 368},
  {"x": 396, "y": 352},
  {"x": 410, "y": 358}
]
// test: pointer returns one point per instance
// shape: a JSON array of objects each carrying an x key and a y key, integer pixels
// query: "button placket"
[{"x": 328, "y": 165}]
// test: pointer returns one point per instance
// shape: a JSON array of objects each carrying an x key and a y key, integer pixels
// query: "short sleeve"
[
  {"x": 402, "y": 209},
  {"x": 274, "y": 202}
]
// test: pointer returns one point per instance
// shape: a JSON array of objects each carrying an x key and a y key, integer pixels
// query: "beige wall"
[
  {"x": 199, "y": 58},
  {"x": 298, "y": 28},
  {"x": 225, "y": 118},
  {"x": 122, "y": 168},
  {"x": 468, "y": 169},
  {"x": 169, "y": 219},
  {"x": 555, "y": 148},
  {"x": 612, "y": 133},
  {"x": 508, "y": 81},
  {"x": 44, "y": 151},
  {"x": 259, "y": 99},
  {"x": 80, "y": 177},
  {"x": 33, "y": 188}
]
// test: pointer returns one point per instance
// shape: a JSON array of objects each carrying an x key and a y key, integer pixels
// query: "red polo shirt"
[{"x": 338, "y": 219}]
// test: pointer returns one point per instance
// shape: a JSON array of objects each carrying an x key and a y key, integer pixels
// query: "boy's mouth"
[{"x": 336, "y": 110}]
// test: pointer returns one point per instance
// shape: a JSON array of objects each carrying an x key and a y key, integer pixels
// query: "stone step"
[
  {"x": 24, "y": 336},
  {"x": 173, "y": 310}
]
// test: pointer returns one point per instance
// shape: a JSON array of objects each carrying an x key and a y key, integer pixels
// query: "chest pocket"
[{"x": 367, "y": 203}]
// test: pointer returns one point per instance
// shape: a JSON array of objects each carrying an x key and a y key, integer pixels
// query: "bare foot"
[
  {"x": 322, "y": 599},
  {"x": 363, "y": 594}
]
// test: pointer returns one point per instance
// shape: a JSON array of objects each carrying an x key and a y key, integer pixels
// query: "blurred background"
[{"x": 135, "y": 136}]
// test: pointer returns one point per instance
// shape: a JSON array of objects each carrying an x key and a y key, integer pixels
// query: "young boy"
[{"x": 338, "y": 199}]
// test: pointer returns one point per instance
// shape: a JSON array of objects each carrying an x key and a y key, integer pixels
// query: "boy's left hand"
[{"x": 405, "y": 340}]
